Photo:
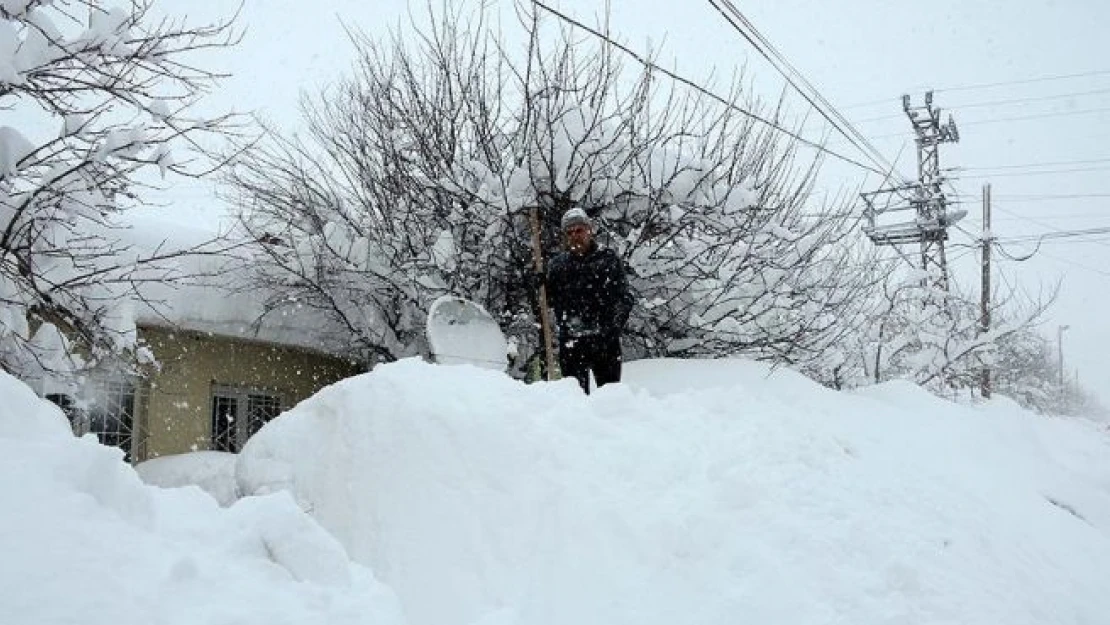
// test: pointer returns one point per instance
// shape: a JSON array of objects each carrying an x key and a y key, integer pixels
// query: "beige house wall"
[{"x": 175, "y": 403}]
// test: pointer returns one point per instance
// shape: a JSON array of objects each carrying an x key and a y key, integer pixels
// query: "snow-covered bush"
[
  {"x": 420, "y": 174},
  {"x": 934, "y": 337}
]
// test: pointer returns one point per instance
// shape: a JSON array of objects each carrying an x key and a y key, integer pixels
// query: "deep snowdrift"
[
  {"x": 699, "y": 492},
  {"x": 83, "y": 541}
]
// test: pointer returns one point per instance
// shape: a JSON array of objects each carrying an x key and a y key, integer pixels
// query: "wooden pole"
[{"x": 545, "y": 321}]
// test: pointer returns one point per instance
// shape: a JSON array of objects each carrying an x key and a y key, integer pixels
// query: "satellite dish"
[{"x": 461, "y": 332}]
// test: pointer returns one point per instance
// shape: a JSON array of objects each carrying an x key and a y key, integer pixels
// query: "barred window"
[
  {"x": 225, "y": 409},
  {"x": 260, "y": 410},
  {"x": 106, "y": 410},
  {"x": 238, "y": 413}
]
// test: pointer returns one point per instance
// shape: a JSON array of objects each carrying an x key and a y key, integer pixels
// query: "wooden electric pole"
[
  {"x": 545, "y": 320},
  {"x": 985, "y": 299}
]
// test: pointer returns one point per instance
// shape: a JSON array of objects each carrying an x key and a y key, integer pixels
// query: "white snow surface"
[
  {"x": 697, "y": 492},
  {"x": 85, "y": 541},
  {"x": 211, "y": 471}
]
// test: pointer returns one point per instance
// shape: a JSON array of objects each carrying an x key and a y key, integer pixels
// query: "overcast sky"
[{"x": 862, "y": 55}]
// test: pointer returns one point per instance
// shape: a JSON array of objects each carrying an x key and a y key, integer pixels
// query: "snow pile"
[
  {"x": 85, "y": 541},
  {"x": 211, "y": 471},
  {"x": 700, "y": 492}
]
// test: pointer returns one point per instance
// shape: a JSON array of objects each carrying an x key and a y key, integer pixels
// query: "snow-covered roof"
[{"x": 217, "y": 297}]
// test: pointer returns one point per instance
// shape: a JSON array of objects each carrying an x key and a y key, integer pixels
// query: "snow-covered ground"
[
  {"x": 697, "y": 492},
  {"x": 84, "y": 541},
  {"x": 211, "y": 471}
]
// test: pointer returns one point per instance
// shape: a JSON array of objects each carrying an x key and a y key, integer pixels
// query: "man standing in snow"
[{"x": 588, "y": 290}]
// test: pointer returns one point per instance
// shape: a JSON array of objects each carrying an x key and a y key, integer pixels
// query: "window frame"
[
  {"x": 106, "y": 401},
  {"x": 243, "y": 424}
]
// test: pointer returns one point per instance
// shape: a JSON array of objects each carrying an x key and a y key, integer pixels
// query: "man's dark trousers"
[{"x": 600, "y": 354}]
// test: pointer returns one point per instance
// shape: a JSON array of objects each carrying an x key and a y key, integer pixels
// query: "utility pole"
[
  {"x": 985, "y": 296},
  {"x": 926, "y": 198},
  {"x": 930, "y": 202},
  {"x": 1060, "y": 352}
]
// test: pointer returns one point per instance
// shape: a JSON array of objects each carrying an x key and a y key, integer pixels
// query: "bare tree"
[
  {"x": 417, "y": 175},
  {"x": 99, "y": 96}
]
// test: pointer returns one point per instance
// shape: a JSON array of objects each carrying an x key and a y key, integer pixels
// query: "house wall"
[{"x": 175, "y": 409}]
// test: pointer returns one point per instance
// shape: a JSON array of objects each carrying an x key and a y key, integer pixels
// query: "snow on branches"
[
  {"x": 430, "y": 157},
  {"x": 91, "y": 97}
]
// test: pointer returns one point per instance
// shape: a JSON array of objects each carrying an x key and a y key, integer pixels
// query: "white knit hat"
[{"x": 575, "y": 216}]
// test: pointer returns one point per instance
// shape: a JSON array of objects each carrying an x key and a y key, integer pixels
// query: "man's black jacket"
[{"x": 589, "y": 293}]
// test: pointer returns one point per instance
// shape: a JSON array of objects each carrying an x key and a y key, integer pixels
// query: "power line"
[
  {"x": 1025, "y": 81},
  {"x": 959, "y": 107},
  {"x": 1040, "y": 242},
  {"x": 1056, "y": 216},
  {"x": 1039, "y": 116},
  {"x": 1058, "y": 235},
  {"x": 1047, "y": 164},
  {"x": 1075, "y": 264},
  {"x": 1039, "y": 222},
  {"x": 1059, "y": 96},
  {"x": 963, "y": 254},
  {"x": 1011, "y": 119},
  {"x": 751, "y": 34},
  {"x": 976, "y": 86},
  {"x": 1008, "y": 256},
  {"x": 776, "y": 64},
  {"x": 673, "y": 76},
  {"x": 1062, "y": 196},
  {"x": 859, "y": 105},
  {"x": 1031, "y": 173},
  {"x": 1096, "y": 240},
  {"x": 881, "y": 118},
  {"x": 1016, "y": 199}
]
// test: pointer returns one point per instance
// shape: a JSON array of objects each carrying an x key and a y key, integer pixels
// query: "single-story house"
[
  {"x": 222, "y": 370},
  {"x": 213, "y": 391}
]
